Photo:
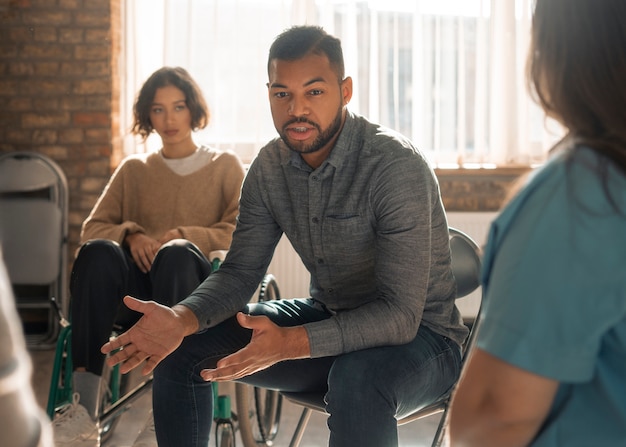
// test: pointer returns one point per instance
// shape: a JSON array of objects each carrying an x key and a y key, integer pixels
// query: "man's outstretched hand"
[
  {"x": 156, "y": 335},
  {"x": 270, "y": 344}
]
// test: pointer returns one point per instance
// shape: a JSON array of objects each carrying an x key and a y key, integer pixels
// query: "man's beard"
[{"x": 322, "y": 138}]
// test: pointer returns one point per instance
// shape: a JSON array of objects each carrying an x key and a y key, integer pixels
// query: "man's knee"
[
  {"x": 185, "y": 363},
  {"x": 352, "y": 384},
  {"x": 350, "y": 371}
]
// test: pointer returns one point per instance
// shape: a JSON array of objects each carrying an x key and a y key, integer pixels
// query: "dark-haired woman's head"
[
  {"x": 179, "y": 78},
  {"x": 577, "y": 68}
]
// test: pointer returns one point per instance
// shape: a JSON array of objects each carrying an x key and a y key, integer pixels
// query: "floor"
[{"x": 415, "y": 434}]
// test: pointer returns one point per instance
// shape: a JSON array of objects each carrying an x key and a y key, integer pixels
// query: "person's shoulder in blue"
[
  {"x": 554, "y": 303},
  {"x": 550, "y": 358}
]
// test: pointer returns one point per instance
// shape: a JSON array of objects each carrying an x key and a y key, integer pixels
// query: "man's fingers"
[
  {"x": 112, "y": 344},
  {"x": 251, "y": 321},
  {"x": 136, "y": 359},
  {"x": 151, "y": 363},
  {"x": 134, "y": 304},
  {"x": 222, "y": 374},
  {"x": 129, "y": 358},
  {"x": 132, "y": 362},
  {"x": 116, "y": 358},
  {"x": 230, "y": 373}
]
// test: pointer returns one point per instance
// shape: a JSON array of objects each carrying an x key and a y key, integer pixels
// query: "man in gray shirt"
[{"x": 380, "y": 334}]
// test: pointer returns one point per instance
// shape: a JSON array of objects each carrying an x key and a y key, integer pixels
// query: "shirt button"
[
  {"x": 315, "y": 178},
  {"x": 315, "y": 220},
  {"x": 320, "y": 261},
  {"x": 330, "y": 290}
]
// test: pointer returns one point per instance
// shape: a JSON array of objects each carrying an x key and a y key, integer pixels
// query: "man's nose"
[{"x": 298, "y": 107}]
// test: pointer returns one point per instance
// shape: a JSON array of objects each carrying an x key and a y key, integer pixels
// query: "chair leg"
[
  {"x": 302, "y": 423},
  {"x": 438, "y": 440},
  {"x": 61, "y": 388}
]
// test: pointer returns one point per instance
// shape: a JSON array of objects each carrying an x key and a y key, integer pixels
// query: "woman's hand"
[
  {"x": 143, "y": 249},
  {"x": 170, "y": 235}
]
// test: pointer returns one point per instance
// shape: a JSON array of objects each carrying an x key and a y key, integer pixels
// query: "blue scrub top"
[{"x": 555, "y": 295}]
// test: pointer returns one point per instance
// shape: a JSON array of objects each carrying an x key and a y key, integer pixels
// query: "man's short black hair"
[{"x": 299, "y": 41}]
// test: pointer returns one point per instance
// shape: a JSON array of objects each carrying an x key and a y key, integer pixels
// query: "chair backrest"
[
  {"x": 31, "y": 237},
  {"x": 33, "y": 217},
  {"x": 466, "y": 262},
  {"x": 34, "y": 239},
  {"x": 27, "y": 172}
]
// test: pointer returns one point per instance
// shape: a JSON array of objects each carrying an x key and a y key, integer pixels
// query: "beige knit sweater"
[{"x": 145, "y": 195}]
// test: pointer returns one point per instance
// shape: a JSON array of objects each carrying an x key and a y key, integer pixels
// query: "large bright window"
[{"x": 449, "y": 74}]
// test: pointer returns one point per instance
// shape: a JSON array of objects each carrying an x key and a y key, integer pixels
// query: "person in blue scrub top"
[{"x": 549, "y": 368}]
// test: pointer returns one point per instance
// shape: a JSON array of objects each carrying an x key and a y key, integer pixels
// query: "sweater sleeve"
[{"x": 105, "y": 220}]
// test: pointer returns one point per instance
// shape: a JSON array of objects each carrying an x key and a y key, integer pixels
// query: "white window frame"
[{"x": 461, "y": 97}]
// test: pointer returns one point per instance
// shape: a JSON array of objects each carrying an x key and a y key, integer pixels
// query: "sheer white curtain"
[{"x": 447, "y": 73}]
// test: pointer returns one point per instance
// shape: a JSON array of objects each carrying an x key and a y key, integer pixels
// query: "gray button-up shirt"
[{"x": 369, "y": 226}]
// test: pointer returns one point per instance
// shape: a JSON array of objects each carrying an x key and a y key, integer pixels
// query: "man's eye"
[
  {"x": 280, "y": 94},
  {"x": 315, "y": 92}
]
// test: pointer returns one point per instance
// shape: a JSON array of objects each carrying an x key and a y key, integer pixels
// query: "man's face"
[{"x": 307, "y": 101}]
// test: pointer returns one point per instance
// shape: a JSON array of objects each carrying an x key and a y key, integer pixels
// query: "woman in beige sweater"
[{"x": 149, "y": 234}]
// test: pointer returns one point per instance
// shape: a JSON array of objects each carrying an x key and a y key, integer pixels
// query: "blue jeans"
[{"x": 365, "y": 390}]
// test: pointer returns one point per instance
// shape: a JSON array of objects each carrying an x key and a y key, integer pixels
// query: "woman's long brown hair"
[{"x": 577, "y": 70}]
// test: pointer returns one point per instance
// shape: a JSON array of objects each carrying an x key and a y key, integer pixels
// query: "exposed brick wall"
[{"x": 58, "y": 90}]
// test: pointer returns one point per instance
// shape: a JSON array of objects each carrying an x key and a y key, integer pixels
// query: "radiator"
[{"x": 293, "y": 278}]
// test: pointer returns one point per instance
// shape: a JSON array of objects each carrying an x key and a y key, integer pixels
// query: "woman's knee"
[
  {"x": 101, "y": 261},
  {"x": 178, "y": 268},
  {"x": 99, "y": 250},
  {"x": 178, "y": 253}
]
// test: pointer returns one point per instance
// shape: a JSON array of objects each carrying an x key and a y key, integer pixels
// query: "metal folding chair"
[
  {"x": 33, "y": 233},
  {"x": 466, "y": 265}
]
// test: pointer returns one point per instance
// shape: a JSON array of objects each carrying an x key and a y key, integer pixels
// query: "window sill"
[
  {"x": 481, "y": 189},
  {"x": 505, "y": 171}
]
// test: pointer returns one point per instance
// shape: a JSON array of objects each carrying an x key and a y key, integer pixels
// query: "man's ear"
[{"x": 346, "y": 90}]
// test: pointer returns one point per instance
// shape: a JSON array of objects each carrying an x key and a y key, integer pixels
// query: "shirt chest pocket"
[{"x": 349, "y": 239}]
